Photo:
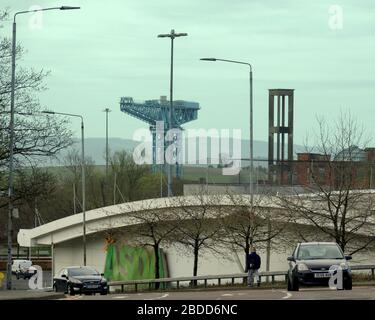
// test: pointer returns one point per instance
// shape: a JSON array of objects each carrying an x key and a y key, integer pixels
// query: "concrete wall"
[
  {"x": 70, "y": 253},
  {"x": 180, "y": 262},
  {"x": 194, "y": 189}
]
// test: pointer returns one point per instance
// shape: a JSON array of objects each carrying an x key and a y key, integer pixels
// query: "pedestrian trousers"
[{"x": 252, "y": 273}]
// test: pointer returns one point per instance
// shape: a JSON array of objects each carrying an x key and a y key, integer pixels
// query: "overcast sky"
[{"x": 110, "y": 49}]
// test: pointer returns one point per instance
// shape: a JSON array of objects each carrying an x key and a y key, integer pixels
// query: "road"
[{"x": 361, "y": 293}]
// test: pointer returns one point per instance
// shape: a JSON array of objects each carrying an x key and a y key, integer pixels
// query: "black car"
[
  {"x": 80, "y": 280},
  {"x": 311, "y": 262}
]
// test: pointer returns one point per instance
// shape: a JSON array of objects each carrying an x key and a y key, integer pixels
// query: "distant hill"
[{"x": 95, "y": 149}]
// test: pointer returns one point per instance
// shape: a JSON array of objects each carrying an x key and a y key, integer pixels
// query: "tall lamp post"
[
  {"x": 251, "y": 120},
  {"x": 106, "y": 110},
  {"x": 11, "y": 138},
  {"x": 171, "y": 35},
  {"x": 251, "y": 123},
  {"x": 83, "y": 174}
]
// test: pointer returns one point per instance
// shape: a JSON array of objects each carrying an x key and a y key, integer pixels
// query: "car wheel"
[
  {"x": 71, "y": 291},
  {"x": 54, "y": 288},
  {"x": 289, "y": 285},
  {"x": 17, "y": 276},
  {"x": 104, "y": 293},
  {"x": 348, "y": 284},
  {"x": 295, "y": 284}
]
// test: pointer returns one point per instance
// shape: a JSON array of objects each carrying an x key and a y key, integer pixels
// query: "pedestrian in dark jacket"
[{"x": 253, "y": 265}]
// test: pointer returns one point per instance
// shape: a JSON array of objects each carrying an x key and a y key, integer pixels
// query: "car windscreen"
[
  {"x": 319, "y": 251},
  {"x": 73, "y": 272},
  {"x": 25, "y": 264}
]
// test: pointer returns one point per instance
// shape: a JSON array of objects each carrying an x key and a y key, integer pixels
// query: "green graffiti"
[{"x": 133, "y": 263}]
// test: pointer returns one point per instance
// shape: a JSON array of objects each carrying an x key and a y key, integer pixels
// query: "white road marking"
[
  {"x": 121, "y": 297},
  {"x": 72, "y": 298},
  {"x": 227, "y": 295},
  {"x": 288, "y": 295},
  {"x": 158, "y": 298}
]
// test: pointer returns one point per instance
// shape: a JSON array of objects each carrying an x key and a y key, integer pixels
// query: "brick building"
[{"x": 355, "y": 165}]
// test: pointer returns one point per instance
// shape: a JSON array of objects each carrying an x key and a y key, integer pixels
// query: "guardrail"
[
  {"x": 23, "y": 257},
  {"x": 194, "y": 280}
]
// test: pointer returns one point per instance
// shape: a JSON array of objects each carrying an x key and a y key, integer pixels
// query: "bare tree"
[
  {"x": 259, "y": 225},
  {"x": 128, "y": 174},
  {"x": 335, "y": 203},
  {"x": 151, "y": 228},
  {"x": 35, "y": 135},
  {"x": 32, "y": 187},
  {"x": 197, "y": 226}
]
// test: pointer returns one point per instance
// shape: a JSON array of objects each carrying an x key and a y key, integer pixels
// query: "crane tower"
[{"x": 151, "y": 111}]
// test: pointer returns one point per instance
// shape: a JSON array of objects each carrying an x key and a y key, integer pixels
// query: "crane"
[{"x": 151, "y": 111}]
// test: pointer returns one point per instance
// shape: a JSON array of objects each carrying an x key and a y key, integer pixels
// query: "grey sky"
[{"x": 110, "y": 49}]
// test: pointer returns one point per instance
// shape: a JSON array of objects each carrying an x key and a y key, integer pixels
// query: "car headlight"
[
  {"x": 103, "y": 280},
  {"x": 75, "y": 281},
  {"x": 344, "y": 266},
  {"x": 302, "y": 267}
]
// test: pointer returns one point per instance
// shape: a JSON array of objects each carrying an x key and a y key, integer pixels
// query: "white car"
[{"x": 23, "y": 268}]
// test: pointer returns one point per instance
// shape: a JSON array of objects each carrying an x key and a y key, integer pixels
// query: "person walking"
[{"x": 253, "y": 265}]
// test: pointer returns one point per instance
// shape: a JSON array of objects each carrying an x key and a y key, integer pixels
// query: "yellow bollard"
[{"x": 1, "y": 279}]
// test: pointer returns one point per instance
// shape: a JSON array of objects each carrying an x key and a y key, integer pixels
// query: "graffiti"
[
  {"x": 109, "y": 239},
  {"x": 132, "y": 263}
]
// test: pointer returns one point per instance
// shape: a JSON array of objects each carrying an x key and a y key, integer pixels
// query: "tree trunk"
[
  {"x": 247, "y": 251},
  {"x": 195, "y": 267},
  {"x": 157, "y": 271}
]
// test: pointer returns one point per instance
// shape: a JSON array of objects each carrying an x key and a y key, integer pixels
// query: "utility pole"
[
  {"x": 114, "y": 189},
  {"x": 106, "y": 110},
  {"x": 74, "y": 199}
]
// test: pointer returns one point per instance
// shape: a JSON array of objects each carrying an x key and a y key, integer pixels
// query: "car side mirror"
[
  {"x": 102, "y": 274},
  {"x": 291, "y": 258},
  {"x": 348, "y": 258},
  {"x": 64, "y": 276}
]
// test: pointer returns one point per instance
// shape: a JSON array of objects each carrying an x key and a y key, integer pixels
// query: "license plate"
[
  {"x": 92, "y": 286},
  {"x": 322, "y": 275}
]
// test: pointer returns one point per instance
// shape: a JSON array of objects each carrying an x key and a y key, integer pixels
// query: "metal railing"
[{"x": 166, "y": 282}]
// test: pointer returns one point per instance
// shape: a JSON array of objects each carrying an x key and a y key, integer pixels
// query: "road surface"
[{"x": 361, "y": 293}]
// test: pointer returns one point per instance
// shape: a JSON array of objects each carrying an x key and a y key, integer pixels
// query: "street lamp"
[
  {"x": 171, "y": 35},
  {"x": 251, "y": 120},
  {"x": 106, "y": 110},
  {"x": 83, "y": 174},
  {"x": 11, "y": 138}
]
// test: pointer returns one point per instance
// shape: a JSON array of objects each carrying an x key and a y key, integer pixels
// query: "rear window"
[{"x": 25, "y": 264}]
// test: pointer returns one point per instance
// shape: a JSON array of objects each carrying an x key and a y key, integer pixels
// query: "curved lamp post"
[
  {"x": 11, "y": 139},
  {"x": 83, "y": 173},
  {"x": 251, "y": 119}
]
